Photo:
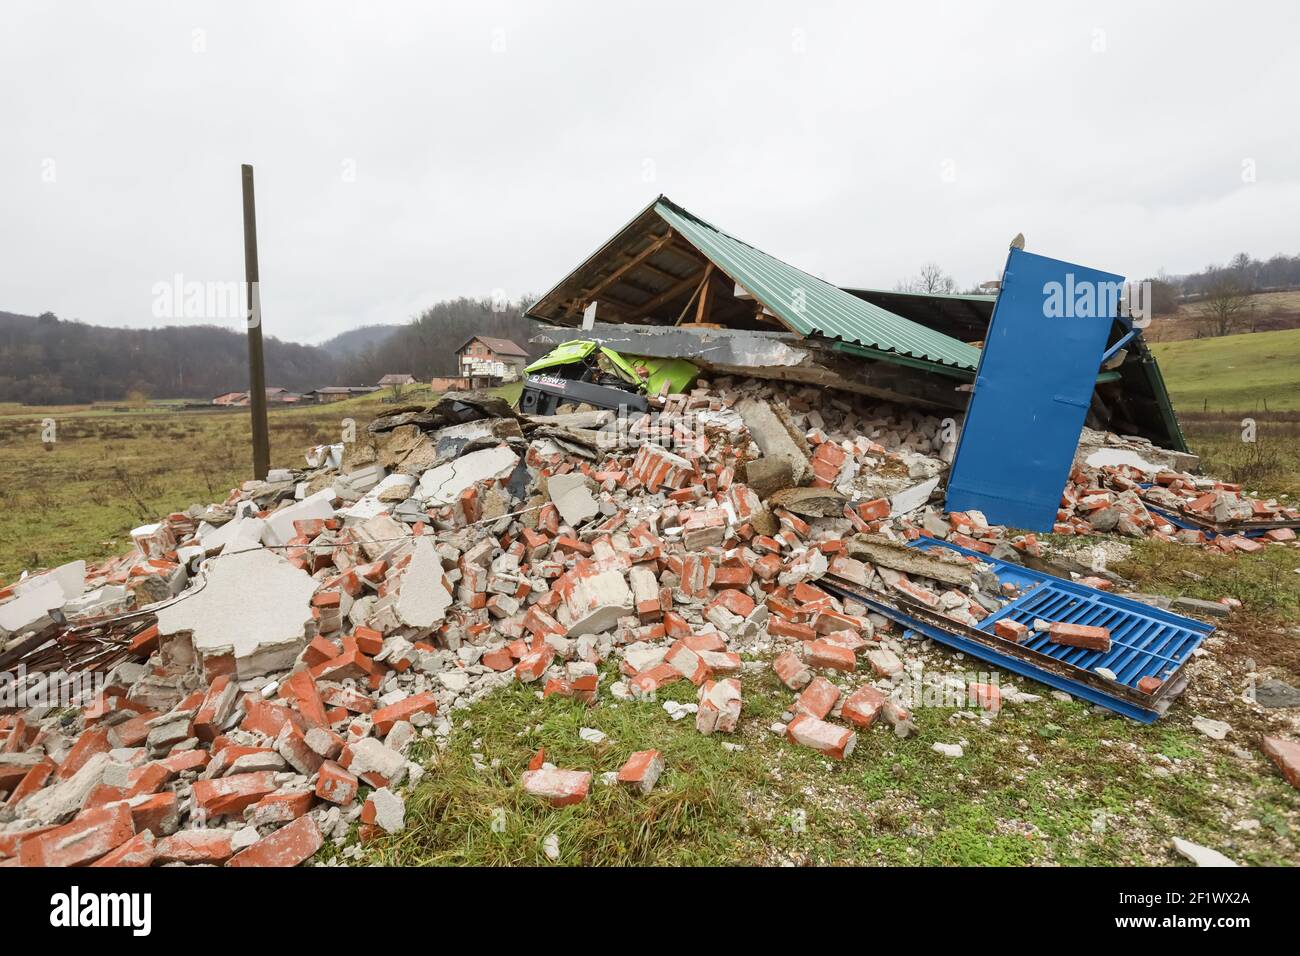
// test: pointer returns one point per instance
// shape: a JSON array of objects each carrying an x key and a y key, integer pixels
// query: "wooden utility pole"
[{"x": 256, "y": 363}]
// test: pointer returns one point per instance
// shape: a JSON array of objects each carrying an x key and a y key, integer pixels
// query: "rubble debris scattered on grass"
[{"x": 268, "y": 660}]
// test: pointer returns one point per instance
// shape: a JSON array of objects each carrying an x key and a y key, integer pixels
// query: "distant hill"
[
  {"x": 45, "y": 360},
  {"x": 354, "y": 342},
  {"x": 1253, "y": 372},
  {"x": 1265, "y": 312},
  {"x": 426, "y": 346}
]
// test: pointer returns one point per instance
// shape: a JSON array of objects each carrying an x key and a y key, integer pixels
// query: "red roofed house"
[{"x": 479, "y": 354}]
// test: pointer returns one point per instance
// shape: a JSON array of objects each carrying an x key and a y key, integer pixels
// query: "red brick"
[
  {"x": 287, "y": 846},
  {"x": 267, "y": 718},
  {"x": 146, "y": 642},
  {"x": 92, "y": 741},
  {"x": 498, "y": 660},
  {"x": 1011, "y": 630},
  {"x": 385, "y": 717},
  {"x": 826, "y": 654},
  {"x": 348, "y": 699},
  {"x": 11, "y": 843},
  {"x": 216, "y": 708},
  {"x": 985, "y": 696},
  {"x": 302, "y": 689},
  {"x": 817, "y": 699},
  {"x": 1286, "y": 754},
  {"x": 185, "y": 760},
  {"x": 281, "y": 807},
  {"x": 33, "y": 780},
  {"x": 195, "y": 846},
  {"x": 350, "y": 664},
  {"x": 874, "y": 510},
  {"x": 230, "y": 795},
  {"x": 735, "y": 601},
  {"x": 336, "y": 784},
  {"x": 1149, "y": 685},
  {"x": 863, "y": 706},
  {"x": 320, "y": 650},
  {"x": 835, "y": 742},
  {"x": 157, "y": 813},
  {"x": 793, "y": 672},
  {"x": 533, "y": 664},
  {"x": 369, "y": 641},
  {"x": 675, "y": 625},
  {"x": 687, "y": 663},
  {"x": 780, "y": 627},
  {"x": 727, "y": 578},
  {"x": 558, "y": 787},
  {"x": 1080, "y": 635},
  {"x": 767, "y": 567},
  {"x": 650, "y": 680},
  {"x": 642, "y": 770},
  {"x": 92, "y": 834},
  {"x": 135, "y": 852}
]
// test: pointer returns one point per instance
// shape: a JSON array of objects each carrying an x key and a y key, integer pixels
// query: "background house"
[
  {"x": 396, "y": 382},
  {"x": 334, "y": 393},
  {"x": 485, "y": 355},
  {"x": 274, "y": 396}
]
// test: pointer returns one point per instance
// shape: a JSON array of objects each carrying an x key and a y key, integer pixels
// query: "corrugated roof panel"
[{"x": 809, "y": 305}]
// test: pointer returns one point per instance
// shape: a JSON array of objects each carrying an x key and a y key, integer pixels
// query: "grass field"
[
  {"x": 1257, "y": 372},
  {"x": 1270, "y": 311}
]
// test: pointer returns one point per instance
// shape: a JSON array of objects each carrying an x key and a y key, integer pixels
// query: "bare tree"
[
  {"x": 931, "y": 280},
  {"x": 1226, "y": 308}
]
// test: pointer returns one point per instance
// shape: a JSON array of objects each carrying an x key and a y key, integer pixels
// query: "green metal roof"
[{"x": 810, "y": 306}]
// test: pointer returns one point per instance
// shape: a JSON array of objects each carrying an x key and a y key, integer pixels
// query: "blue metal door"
[{"x": 1035, "y": 381}]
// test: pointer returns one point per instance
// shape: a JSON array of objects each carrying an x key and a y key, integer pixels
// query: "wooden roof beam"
[{"x": 593, "y": 292}]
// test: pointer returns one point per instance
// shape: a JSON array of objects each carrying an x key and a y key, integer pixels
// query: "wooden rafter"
[
  {"x": 706, "y": 296},
  {"x": 593, "y": 292},
  {"x": 672, "y": 292}
]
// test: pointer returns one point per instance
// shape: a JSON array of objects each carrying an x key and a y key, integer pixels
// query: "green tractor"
[{"x": 585, "y": 372}]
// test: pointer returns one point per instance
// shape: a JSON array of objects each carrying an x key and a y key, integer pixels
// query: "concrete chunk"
[{"x": 255, "y": 607}]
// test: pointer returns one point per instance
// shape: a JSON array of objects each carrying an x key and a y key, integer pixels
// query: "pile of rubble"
[{"x": 274, "y": 656}]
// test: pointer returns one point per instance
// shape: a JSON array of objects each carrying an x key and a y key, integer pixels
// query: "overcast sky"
[{"x": 407, "y": 152}]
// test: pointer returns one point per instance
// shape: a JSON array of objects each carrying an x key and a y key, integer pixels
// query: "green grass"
[
  {"x": 1046, "y": 783},
  {"x": 1265, "y": 582},
  {"x": 1254, "y": 372},
  {"x": 108, "y": 472}
]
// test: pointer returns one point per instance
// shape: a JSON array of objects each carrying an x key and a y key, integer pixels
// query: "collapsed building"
[
  {"x": 668, "y": 284},
  {"x": 265, "y": 664}
]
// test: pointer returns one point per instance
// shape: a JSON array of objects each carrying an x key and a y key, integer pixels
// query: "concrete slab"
[
  {"x": 279, "y": 527},
  {"x": 71, "y": 577},
  {"x": 773, "y": 438},
  {"x": 255, "y": 606},
  {"x": 423, "y": 599},
  {"x": 572, "y": 496},
  {"x": 442, "y": 485},
  {"x": 32, "y": 607}
]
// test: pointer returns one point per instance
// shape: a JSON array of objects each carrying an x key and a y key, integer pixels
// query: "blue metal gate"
[
  {"x": 1035, "y": 381},
  {"x": 1145, "y": 641}
]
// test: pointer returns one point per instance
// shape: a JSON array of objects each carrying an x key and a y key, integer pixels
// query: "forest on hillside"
[{"x": 45, "y": 360}]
